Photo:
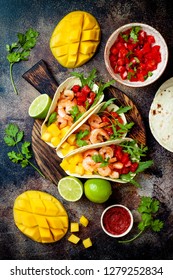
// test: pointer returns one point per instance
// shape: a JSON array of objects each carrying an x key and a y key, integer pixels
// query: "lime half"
[
  {"x": 97, "y": 190},
  {"x": 70, "y": 188},
  {"x": 40, "y": 106}
]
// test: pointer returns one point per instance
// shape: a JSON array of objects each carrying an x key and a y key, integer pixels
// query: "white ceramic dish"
[
  {"x": 159, "y": 41},
  {"x": 119, "y": 221}
]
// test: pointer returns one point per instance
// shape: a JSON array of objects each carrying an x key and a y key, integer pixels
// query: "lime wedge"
[
  {"x": 70, "y": 188},
  {"x": 40, "y": 106}
]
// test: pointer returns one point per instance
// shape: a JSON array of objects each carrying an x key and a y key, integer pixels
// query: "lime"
[
  {"x": 97, "y": 190},
  {"x": 70, "y": 188},
  {"x": 40, "y": 106}
]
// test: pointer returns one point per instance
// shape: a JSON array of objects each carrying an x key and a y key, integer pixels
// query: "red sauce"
[{"x": 116, "y": 220}]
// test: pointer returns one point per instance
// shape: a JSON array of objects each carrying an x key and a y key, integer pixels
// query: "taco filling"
[
  {"x": 71, "y": 105},
  {"x": 105, "y": 124},
  {"x": 118, "y": 162}
]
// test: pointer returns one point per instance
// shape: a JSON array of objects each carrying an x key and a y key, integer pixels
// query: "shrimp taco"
[
  {"x": 74, "y": 99},
  {"x": 106, "y": 122},
  {"x": 117, "y": 160}
]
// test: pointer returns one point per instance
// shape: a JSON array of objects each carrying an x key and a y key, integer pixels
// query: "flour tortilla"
[
  {"x": 68, "y": 84},
  {"x": 161, "y": 115},
  {"x": 111, "y": 107},
  {"x": 100, "y": 145}
]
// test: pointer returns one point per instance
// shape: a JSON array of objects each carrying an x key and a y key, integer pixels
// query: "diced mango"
[
  {"x": 46, "y": 136},
  {"x": 71, "y": 139},
  {"x": 73, "y": 238},
  {"x": 71, "y": 168},
  {"x": 87, "y": 172},
  {"x": 64, "y": 131},
  {"x": 74, "y": 227},
  {"x": 84, "y": 221},
  {"x": 87, "y": 242},
  {"x": 65, "y": 145},
  {"x": 79, "y": 170},
  {"x": 53, "y": 129},
  {"x": 55, "y": 141},
  {"x": 64, "y": 165}
]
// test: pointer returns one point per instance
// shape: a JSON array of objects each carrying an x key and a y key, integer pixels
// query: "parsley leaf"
[
  {"x": 20, "y": 50},
  {"x": 75, "y": 113},
  {"x": 81, "y": 134},
  {"x": 52, "y": 118},
  {"x": 148, "y": 207},
  {"x": 13, "y": 136}
]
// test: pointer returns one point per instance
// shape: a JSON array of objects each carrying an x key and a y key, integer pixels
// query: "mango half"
[
  {"x": 75, "y": 39},
  {"x": 40, "y": 216}
]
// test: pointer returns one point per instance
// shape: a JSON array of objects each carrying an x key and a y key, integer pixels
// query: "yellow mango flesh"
[
  {"x": 87, "y": 242},
  {"x": 40, "y": 216},
  {"x": 80, "y": 40}
]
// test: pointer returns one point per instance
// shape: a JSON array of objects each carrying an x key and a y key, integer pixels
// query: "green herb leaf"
[
  {"x": 20, "y": 50},
  {"x": 81, "y": 134},
  {"x": 106, "y": 104},
  {"x": 52, "y": 118},
  {"x": 134, "y": 33},
  {"x": 75, "y": 113},
  {"x": 98, "y": 158},
  {"x": 13, "y": 136},
  {"x": 143, "y": 166},
  {"x": 157, "y": 225}
]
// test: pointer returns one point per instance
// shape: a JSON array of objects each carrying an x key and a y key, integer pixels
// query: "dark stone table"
[{"x": 18, "y": 16}]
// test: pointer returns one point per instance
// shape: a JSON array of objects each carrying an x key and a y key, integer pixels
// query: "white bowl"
[
  {"x": 117, "y": 220},
  {"x": 159, "y": 41}
]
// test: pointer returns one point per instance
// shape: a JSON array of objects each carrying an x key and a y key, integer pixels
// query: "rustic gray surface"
[{"x": 17, "y": 16}]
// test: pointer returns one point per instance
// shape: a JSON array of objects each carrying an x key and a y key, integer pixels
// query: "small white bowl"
[
  {"x": 159, "y": 40},
  {"x": 118, "y": 219}
]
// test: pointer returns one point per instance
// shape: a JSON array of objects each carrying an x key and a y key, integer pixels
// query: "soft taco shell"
[
  {"x": 161, "y": 117},
  {"x": 94, "y": 111},
  {"x": 99, "y": 145},
  {"x": 67, "y": 84}
]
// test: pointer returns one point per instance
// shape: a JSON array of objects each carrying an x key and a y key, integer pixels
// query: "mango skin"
[
  {"x": 75, "y": 39},
  {"x": 40, "y": 216}
]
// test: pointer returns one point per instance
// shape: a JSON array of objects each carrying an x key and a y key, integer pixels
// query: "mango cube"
[
  {"x": 84, "y": 221},
  {"x": 73, "y": 238},
  {"x": 46, "y": 136},
  {"x": 71, "y": 139},
  {"x": 79, "y": 170},
  {"x": 74, "y": 227},
  {"x": 55, "y": 141},
  {"x": 87, "y": 242},
  {"x": 64, "y": 165},
  {"x": 53, "y": 129},
  {"x": 64, "y": 131}
]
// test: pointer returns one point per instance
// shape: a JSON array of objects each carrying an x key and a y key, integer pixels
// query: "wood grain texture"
[{"x": 48, "y": 161}]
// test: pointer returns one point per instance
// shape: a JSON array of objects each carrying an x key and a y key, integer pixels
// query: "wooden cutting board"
[{"x": 41, "y": 78}]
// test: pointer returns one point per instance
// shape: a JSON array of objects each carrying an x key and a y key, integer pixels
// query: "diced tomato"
[
  {"x": 134, "y": 166},
  {"x": 86, "y": 90},
  {"x": 133, "y": 60},
  {"x": 114, "y": 114},
  {"x": 76, "y": 88},
  {"x": 109, "y": 130},
  {"x": 105, "y": 119},
  {"x": 125, "y": 158},
  {"x": 118, "y": 153},
  {"x": 91, "y": 97},
  {"x": 125, "y": 170}
]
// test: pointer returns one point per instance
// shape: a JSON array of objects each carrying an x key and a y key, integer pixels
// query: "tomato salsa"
[
  {"x": 134, "y": 55},
  {"x": 116, "y": 220}
]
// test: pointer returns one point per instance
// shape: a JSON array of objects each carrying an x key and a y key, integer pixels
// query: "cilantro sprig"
[
  {"x": 99, "y": 159},
  {"x": 79, "y": 138},
  {"x": 148, "y": 209},
  {"x": 20, "y": 50},
  {"x": 75, "y": 113},
  {"x": 22, "y": 155}
]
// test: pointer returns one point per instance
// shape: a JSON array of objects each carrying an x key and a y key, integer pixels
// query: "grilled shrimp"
[
  {"x": 61, "y": 122},
  {"x": 64, "y": 107},
  {"x": 89, "y": 164},
  {"x": 67, "y": 94},
  {"x": 90, "y": 153},
  {"x": 114, "y": 175},
  {"x": 104, "y": 171},
  {"x": 98, "y": 135},
  {"x": 106, "y": 152},
  {"x": 94, "y": 121}
]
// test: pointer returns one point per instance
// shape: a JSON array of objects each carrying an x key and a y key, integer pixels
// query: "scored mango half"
[
  {"x": 40, "y": 216},
  {"x": 75, "y": 39}
]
